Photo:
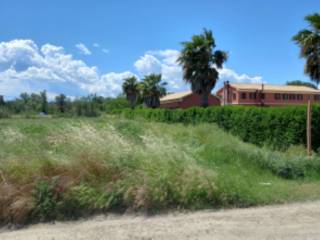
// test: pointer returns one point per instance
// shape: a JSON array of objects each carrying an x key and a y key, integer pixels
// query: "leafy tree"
[
  {"x": 85, "y": 106},
  {"x": 153, "y": 89},
  {"x": 98, "y": 102},
  {"x": 200, "y": 64},
  {"x": 114, "y": 104},
  {"x": 301, "y": 83},
  {"x": 2, "y": 102},
  {"x": 61, "y": 103},
  {"x": 309, "y": 42},
  {"x": 24, "y": 102},
  {"x": 44, "y": 102},
  {"x": 131, "y": 89}
]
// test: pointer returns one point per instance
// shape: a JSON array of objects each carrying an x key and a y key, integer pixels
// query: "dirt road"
[{"x": 294, "y": 221}]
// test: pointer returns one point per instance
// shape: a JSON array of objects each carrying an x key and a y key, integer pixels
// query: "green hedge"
[{"x": 278, "y": 127}]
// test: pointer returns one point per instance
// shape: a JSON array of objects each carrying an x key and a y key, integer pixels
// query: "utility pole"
[{"x": 309, "y": 127}]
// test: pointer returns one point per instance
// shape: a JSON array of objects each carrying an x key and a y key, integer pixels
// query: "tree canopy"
[
  {"x": 152, "y": 89},
  {"x": 131, "y": 88},
  {"x": 200, "y": 63},
  {"x": 309, "y": 42},
  {"x": 302, "y": 83}
]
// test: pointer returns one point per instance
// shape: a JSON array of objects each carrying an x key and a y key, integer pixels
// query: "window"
[
  {"x": 292, "y": 96},
  {"x": 252, "y": 95},
  {"x": 234, "y": 96},
  {"x": 285, "y": 96},
  {"x": 262, "y": 96},
  {"x": 299, "y": 97},
  {"x": 243, "y": 95},
  {"x": 277, "y": 96},
  {"x": 316, "y": 97}
]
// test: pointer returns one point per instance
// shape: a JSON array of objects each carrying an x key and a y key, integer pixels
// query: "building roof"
[
  {"x": 274, "y": 88},
  {"x": 172, "y": 97}
]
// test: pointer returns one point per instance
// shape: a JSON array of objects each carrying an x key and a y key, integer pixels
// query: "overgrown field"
[{"x": 66, "y": 168}]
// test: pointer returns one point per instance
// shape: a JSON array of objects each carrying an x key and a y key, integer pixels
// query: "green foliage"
[
  {"x": 278, "y": 128},
  {"x": 116, "y": 104},
  {"x": 200, "y": 63},
  {"x": 152, "y": 90},
  {"x": 61, "y": 102},
  {"x": 309, "y": 43},
  {"x": 131, "y": 130},
  {"x": 30, "y": 105},
  {"x": 47, "y": 196},
  {"x": 131, "y": 88},
  {"x": 4, "y": 113},
  {"x": 86, "y": 106},
  {"x": 2, "y": 102},
  {"x": 43, "y": 102},
  {"x": 302, "y": 83}
]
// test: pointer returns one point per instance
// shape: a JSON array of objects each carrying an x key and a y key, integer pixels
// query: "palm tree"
[
  {"x": 131, "y": 89},
  {"x": 153, "y": 89},
  {"x": 200, "y": 64},
  {"x": 309, "y": 42}
]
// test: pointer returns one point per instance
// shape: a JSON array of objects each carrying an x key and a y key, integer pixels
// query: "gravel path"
[{"x": 292, "y": 221}]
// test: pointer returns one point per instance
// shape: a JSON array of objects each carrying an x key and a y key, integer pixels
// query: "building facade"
[
  {"x": 186, "y": 100},
  {"x": 266, "y": 95}
]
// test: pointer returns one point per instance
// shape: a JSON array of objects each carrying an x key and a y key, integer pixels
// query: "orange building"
[
  {"x": 265, "y": 94},
  {"x": 186, "y": 100}
]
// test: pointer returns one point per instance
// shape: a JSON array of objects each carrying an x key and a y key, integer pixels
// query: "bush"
[
  {"x": 4, "y": 113},
  {"x": 276, "y": 127},
  {"x": 117, "y": 104},
  {"x": 47, "y": 197}
]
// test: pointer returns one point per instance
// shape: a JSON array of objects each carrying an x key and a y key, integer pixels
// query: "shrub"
[
  {"x": 47, "y": 197},
  {"x": 4, "y": 113}
]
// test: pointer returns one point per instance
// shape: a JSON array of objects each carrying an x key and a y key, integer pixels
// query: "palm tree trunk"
[
  {"x": 132, "y": 100},
  {"x": 205, "y": 100}
]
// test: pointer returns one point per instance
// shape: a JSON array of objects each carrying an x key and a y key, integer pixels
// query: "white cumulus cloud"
[
  {"x": 148, "y": 64},
  {"x": 226, "y": 74},
  {"x": 83, "y": 49},
  {"x": 164, "y": 62},
  {"x": 26, "y": 67}
]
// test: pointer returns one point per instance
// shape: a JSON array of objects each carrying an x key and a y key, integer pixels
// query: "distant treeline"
[{"x": 38, "y": 103}]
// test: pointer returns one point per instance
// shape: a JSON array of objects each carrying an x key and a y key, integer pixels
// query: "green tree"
[
  {"x": 44, "y": 102},
  {"x": 115, "y": 104},
  {"x": 2, "y": 102},
  {"x": 61, "y": 103},
  {"x": 200, "y": 63},
  {"x": 131, "y": 89},
  {"x": 301, "y": 83},
  {"x": 153, "y": 89},
  {"x": 98, "y": 102},
  {"x": 24, "y": 102},
  {"x": 309, "y": 41}
]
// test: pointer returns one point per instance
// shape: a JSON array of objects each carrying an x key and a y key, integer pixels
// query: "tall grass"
[{"x": 66, "y": 168}]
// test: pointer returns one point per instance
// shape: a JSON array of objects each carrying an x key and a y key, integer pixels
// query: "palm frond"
[
  {"x": 198, "y": 62},
  {"x": 309, "y": 43}
]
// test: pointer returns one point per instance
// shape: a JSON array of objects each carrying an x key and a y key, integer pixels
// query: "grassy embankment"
[{"x": 64, "y": 168}]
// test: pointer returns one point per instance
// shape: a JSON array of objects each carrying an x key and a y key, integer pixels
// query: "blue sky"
[{"x": 82, "y": 47}]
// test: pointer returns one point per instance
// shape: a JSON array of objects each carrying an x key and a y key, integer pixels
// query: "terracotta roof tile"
[
  {"x": 175, "y": 96},
  {"x": 274, "y": 88}
]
